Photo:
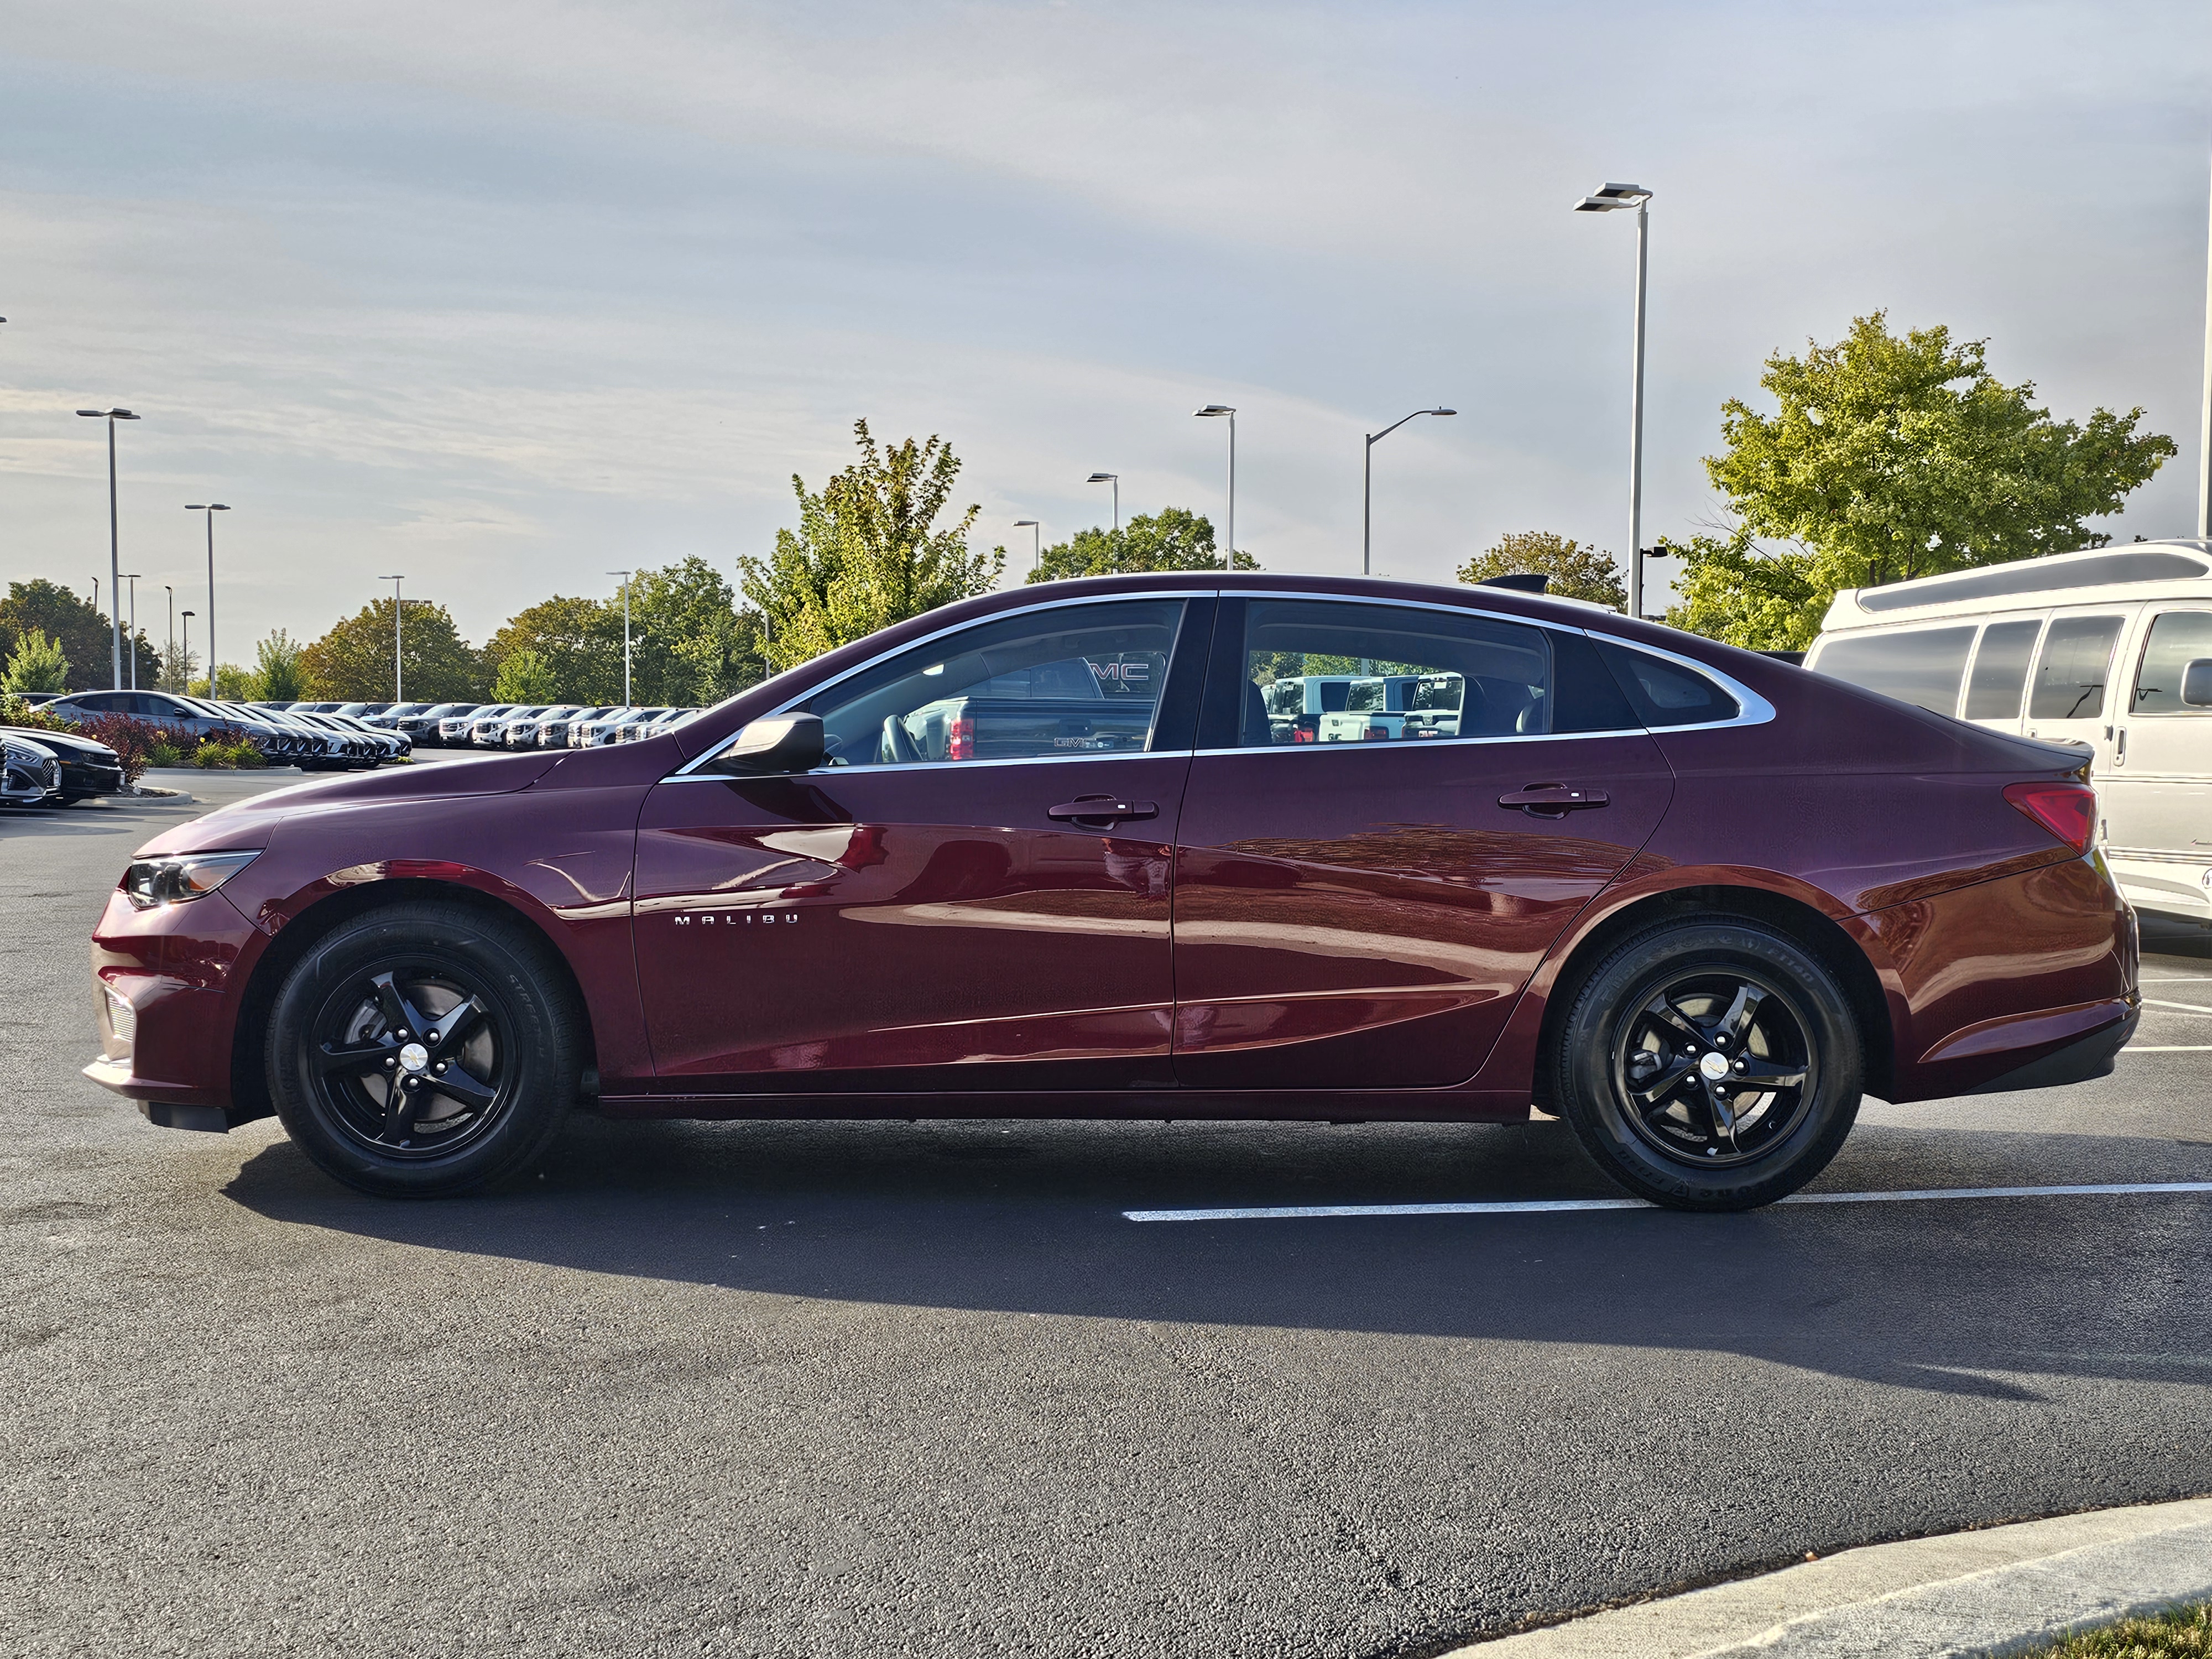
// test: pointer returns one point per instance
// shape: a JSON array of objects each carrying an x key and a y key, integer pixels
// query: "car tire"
[
  {"x": 1663, "y": 1047},
  {"x": 425, "y": 1049}
]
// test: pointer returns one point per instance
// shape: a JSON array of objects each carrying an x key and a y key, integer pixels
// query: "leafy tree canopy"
[
  {"x": 578, "y": 643},
  {"x": 353, "y": 662},
  {"x": 526, "y": 677},
  {"x": 1576, "y": 572},
  {"x": 276, "y": 675},
  {"x": 83, "y": 631},
  {"x": 233, "y": 684},
  {"x": 1891, "y": 457},
  {"x": 39, "y": 664},
  {"x": 1174, "y": 538},
  {"x": 689, "y": 644},
  {"x": 866, "y": 553}
]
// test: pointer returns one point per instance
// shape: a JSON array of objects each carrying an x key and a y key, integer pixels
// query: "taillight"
[
  {"x": 2068, "y": 810},
  {"x": 960, "y": 740}
]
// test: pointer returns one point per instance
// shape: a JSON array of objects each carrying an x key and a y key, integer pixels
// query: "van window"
[
  {"x": 2077, "y": 656},
  {"x": 2035, "y": 576},
  {"x": 1923, "y": 666},
  {"x": 2178, "y": 638},
  {"x": 2000, "y": 676}
]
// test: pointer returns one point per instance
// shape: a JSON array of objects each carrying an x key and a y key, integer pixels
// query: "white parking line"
[
  {"x": 2192, "y": 1007},
  {"x": 1551, "y": 1205},
  {"x": 2167, "y": 1048}
]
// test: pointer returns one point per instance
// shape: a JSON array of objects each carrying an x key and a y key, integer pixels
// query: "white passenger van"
[{"x": 2111, "y": 648}]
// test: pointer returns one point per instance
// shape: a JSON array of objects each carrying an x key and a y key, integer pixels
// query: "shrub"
[
  {"x": 164, "y": 753},
  {"x": 238, "y": 754},
  {"x": 131, "y": 739}
]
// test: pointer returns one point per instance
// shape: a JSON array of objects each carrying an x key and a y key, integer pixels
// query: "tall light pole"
[
  {"x": 210, "y": 508},
  {"x": 1036, "y": 543},
  {"x": 2204, "y": 430},
  {"x": 169, "y": 640},
  {"x": 625, "y": 575},
  {"x": 1214, "y": 412},
  {"x": 1114, "y": 478},
  {"x": 131, "y": 576},
  {"x": 187, "y": 687},
  {"x": 1367, "y": 487},
  {"x": 1611, "y": 198},
  {"x": 114, "y": 540},
  {"x": 395, "y": 581}
]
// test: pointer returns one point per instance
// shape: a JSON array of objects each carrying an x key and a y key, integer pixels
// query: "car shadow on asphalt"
[{"x": 1968, "y": 1297}]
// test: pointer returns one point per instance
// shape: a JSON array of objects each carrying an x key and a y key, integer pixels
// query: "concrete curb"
[{"x": 2002, "y": 1591}]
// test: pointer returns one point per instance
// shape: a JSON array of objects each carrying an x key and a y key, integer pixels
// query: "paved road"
[{"x": 875, "y": 1389}]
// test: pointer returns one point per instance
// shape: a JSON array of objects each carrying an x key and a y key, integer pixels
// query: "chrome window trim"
[
  {"x": 1754, "y": 710},
  {"x": 942, "y": 769},
  {"x": 1184, "y": 593}
]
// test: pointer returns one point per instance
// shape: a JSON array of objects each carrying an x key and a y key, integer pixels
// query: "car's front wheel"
[
  {"x": 1710, "y": 1065},
  {"x": 425, "y": 1049}
]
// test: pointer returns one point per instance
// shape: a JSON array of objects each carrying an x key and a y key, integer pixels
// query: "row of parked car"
[
  {"x": 509, "y": 725},
  {"x": 54, "y": 769},
  {"x": 314, "y": 737}
]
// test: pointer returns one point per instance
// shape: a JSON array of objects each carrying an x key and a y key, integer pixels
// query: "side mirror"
[
  {"x": 781, "y": 743},
  {"x": 2196, "y": 684}
]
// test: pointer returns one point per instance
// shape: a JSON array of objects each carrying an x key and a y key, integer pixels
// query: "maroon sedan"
[{"x": 1233, "y": 846}]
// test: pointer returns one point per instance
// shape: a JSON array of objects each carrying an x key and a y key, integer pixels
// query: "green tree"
[
  {"x": 1576, "y": 572},
  {"x": 1174, "y": 538},
  {"x": 865, "y": 554},
  {"x": 39, "y": 664},
  {"x": 577, "y": 643},
  {"x": 353, "y": 661},
  {"x": 83, "y": 631},
  {"x": 688, "y": 643},
  {"x": 277, "y": 677},
  {"x": 526, "y": 678},
  {"x": 232, "y": 683},
  {"x": 1891, "y": 457}
]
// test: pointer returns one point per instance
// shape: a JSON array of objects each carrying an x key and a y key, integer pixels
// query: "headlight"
[{"x": 149, "y": 882}]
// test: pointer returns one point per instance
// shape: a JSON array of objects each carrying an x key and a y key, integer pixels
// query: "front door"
[
  {"x": 2069, "y": 699},
  {"x": 2157, "y": 792},
  {"x": 1363, "y": 892},
  {"x": 936, "y": 901}
]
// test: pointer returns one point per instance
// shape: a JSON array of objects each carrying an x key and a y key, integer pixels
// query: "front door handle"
[
  {"x": 1101, "y": 809},
  {"x": 1553, "y": 800}
]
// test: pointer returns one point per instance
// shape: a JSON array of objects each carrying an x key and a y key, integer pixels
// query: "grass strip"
[{"x": 2183, "y": 1633}]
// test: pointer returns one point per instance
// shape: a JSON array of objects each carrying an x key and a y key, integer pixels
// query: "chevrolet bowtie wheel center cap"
[
  {"x": 414, "y": 1057},
  {"x": 1714, "y": 1067}
]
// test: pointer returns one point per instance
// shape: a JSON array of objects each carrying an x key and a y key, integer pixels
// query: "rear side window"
[
  {"x": 1665, "y": 693},
  {"x": 2000, "y": 677},
  {"x": 2077, "y": 658},
  {"x": 1923, "y": 666},
  {"x": 2178, "y": 638}
]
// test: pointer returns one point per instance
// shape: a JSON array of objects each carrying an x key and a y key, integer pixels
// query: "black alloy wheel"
[
  {"x": 1710, "y": 1065},
  {"x": 425, "y": 1049}
]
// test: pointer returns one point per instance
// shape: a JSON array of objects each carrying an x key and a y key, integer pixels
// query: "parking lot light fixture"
[
  {"x": 625, "y": 575},
  {"x": 210, "y": 508},
  {"x": 114, "y": 538},
  {"x": 1214, "y": 412},
  {"x": 1114, "y": 478},
  {"x": 1612, "y": 198},
  {"x": 1036, "y": 543},
  {"x": 395, "y": 581},
  {"x": 131, "y": 576},
  {"x": 1367, "y": 486}
]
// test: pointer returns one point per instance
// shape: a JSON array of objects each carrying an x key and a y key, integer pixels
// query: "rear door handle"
[
  {"x": 1101, "y": 809},
  {"x": 1554, "y": 799}
]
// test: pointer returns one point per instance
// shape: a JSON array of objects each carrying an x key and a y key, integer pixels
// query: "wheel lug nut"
[
  {"x": 433, "y": 1038},
  {"x": 388, "y": 1061}
]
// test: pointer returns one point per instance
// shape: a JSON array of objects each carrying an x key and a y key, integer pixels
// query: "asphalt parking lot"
[{"x": 858, "y": 1388}]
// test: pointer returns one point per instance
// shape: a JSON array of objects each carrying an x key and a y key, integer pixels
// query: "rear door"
[
  {"x": 2157, "y": 792},
  {"x": 2070, "y": 698},
  {"x": 910, "y": 918},
  {"x": 1361, "y": 898}
]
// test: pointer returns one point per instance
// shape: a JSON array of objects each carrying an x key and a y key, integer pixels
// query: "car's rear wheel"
[
  {"x": 1710, "y": 1065},
  {"x": 423, "y": 1050}
]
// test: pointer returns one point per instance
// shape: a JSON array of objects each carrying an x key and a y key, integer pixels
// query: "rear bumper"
[{"x": 2088, "y": 1057}]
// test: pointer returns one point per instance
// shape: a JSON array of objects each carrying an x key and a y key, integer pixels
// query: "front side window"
[
  {"x": 2069, "y": 680},
  {"x": 1061, "y": 683},
  {"x": 2000, "y": 677},
  {"x": 1923, "y": 666},
  {"x": 1322, "y": 671},
  {"x": 2178, "y": 638}
]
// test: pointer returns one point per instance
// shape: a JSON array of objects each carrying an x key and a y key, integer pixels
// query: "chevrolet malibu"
[{"x": 1160, "y": 847}]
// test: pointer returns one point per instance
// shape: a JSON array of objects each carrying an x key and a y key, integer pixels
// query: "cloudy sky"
[{"x": 503, "y": 295}]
